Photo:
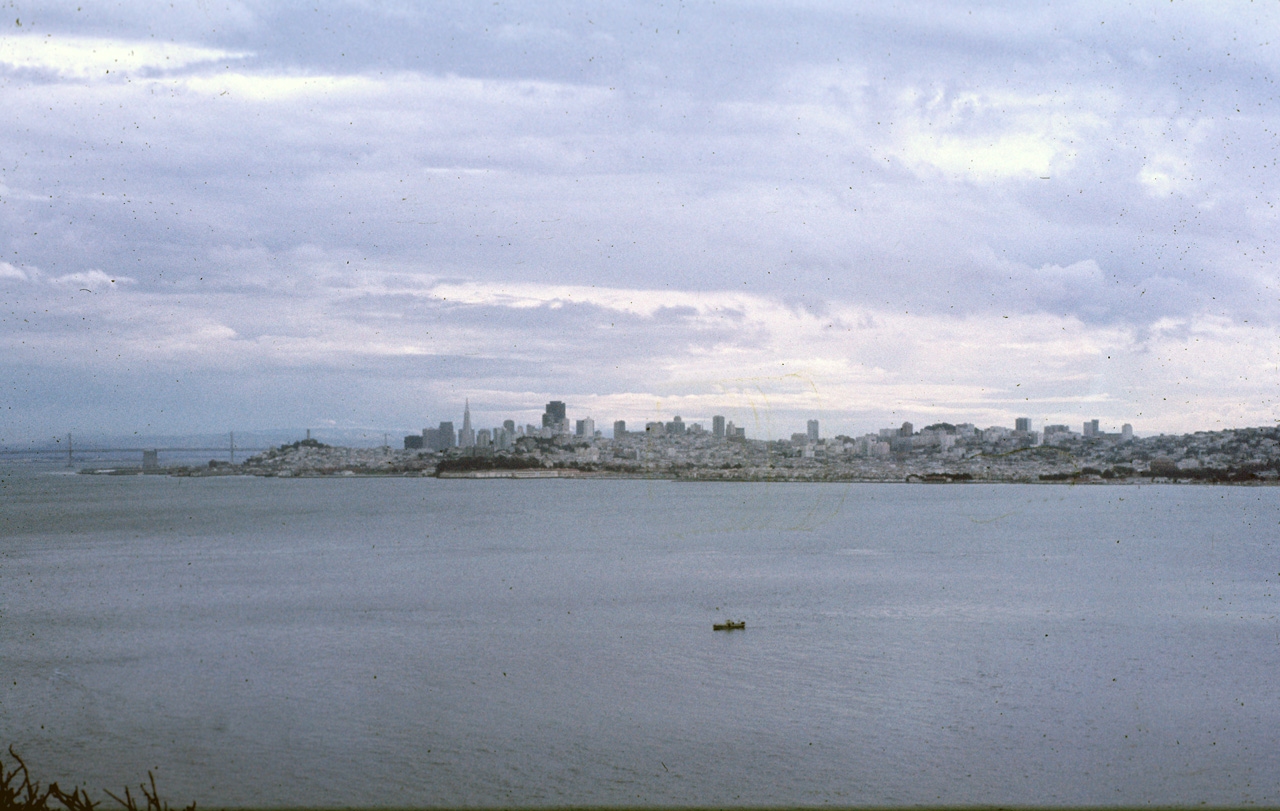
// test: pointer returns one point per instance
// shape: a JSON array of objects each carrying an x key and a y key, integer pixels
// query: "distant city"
[
  {"x": 555, "y": 424},
  {"x": 938, "y": 452}
]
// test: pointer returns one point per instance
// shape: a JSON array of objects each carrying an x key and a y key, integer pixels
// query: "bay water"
[{"x": 414, "y": 642}]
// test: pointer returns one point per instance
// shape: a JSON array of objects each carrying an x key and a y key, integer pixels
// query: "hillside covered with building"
[{"x": 940, "y": 452}]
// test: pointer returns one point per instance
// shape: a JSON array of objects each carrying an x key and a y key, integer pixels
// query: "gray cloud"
[{"x": 278, "y": 188}]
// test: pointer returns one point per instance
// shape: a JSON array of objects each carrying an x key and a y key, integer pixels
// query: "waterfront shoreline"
[
  {"x": 574, "y": 474},
  {"x": 1235, "y": 456}
]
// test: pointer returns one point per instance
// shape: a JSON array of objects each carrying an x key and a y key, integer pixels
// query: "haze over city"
[{"x": 253, "y": 215}]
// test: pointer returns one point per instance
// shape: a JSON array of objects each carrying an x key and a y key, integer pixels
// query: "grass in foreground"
[{"x": 18, "y": 792}]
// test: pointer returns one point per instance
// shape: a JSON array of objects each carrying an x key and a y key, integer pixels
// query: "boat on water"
[{"x": 728, "y": 625}]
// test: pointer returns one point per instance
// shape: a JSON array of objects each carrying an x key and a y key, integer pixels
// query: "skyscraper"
[
  {"x": 554, "y": 417},
  {"x": 813, "y": 430},
  {"x": 717, "y": 427},
  {"x": 445, "y": 437},
  {"x": 1022, "y": 424},
  {"x": 466, "y": 436}
]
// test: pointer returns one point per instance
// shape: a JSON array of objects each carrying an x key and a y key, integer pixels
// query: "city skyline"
[
  {"x": 558, "y": 419},
  {"x": 249, "y": 216},
  {"x": 374, "y": 436},
  {"x": 490, "y": 421}
]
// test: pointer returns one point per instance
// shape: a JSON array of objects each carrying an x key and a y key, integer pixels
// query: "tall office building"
[
  {"x": 619, "y": 429},
  {"x": 813, "y": 431},
  {"x": 586, "y": 428},
  {"x": 1022, "y": 424},
  {"x": 442, "y": 438},
  {"x": 1091, "y": 428},
  {"x": 554, "y": 417},
  {"x": 906, "y": 430},
  {"x": 466, "y": 436},
  {"x": 717, "y": 427}
]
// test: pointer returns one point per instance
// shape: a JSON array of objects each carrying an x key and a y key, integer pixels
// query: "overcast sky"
[{"x": 248, "y": 215}]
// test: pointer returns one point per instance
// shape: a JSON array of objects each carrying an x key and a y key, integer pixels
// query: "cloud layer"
[{"x": 258, "y": 215}]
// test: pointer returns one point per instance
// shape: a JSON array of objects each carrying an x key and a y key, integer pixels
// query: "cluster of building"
[
  {"x": 950, "y": 439},
  {"x": 555, "y": 424},
  {"x": 938, "y": 452}
]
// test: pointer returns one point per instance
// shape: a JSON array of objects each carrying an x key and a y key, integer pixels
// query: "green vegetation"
[
  {"x": 466, "y": 464},
  {"x": 302, "y": 443},
  {"x": 1212, "y": 475},
  {"x": 1166, "y": 470},
  {"x": 18, "y": 792},
  {"x": 939, "y": 478}
]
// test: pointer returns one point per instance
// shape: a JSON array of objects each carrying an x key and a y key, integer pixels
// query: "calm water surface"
[{"x": 420, "y": 642}]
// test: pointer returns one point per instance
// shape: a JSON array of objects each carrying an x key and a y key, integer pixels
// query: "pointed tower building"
[{"x": 467, "y": 436}]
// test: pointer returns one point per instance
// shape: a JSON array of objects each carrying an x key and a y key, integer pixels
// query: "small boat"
[{"x": 728, "y": 625}]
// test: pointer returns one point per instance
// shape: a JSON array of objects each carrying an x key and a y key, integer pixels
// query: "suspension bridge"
[{"x": 149, "y": 455}]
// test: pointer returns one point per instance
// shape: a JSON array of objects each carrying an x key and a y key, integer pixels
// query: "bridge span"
[{"x": 149, "y": 456}]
